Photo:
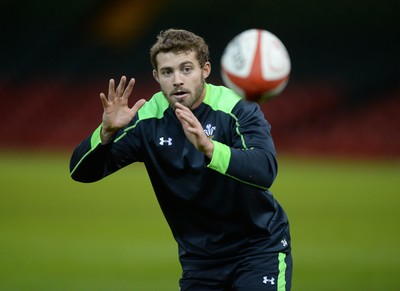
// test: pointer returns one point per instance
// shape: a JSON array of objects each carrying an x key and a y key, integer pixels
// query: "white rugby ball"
[{"x": 256, "y": 65}]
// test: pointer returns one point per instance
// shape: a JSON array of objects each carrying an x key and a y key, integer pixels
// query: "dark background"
[
  {"x": 340, "y": 111},
  {"x": 342, "y": 97}
]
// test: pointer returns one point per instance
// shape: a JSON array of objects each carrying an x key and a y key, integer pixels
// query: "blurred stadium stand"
[{"x": 342, "y": 98}]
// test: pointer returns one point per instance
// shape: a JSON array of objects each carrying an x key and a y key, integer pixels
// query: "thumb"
[{"x": 138, "y": 105}]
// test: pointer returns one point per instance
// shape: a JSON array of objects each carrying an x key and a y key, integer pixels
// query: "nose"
[{"x": 178, "y": 79}]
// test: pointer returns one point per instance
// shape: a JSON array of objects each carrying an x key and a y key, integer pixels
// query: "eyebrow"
[{"x": 180, "y": 65}]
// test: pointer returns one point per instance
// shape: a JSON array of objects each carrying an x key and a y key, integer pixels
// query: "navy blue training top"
[{"x": 217, "y": 209}]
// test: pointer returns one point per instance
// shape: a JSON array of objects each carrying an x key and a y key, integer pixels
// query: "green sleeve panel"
[
  {"x": 221, "y": 157},
  {"x": 95, "y": 139}
]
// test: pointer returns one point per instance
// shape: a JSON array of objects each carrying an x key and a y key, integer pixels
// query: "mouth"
[{"x": 180, "y": 94}]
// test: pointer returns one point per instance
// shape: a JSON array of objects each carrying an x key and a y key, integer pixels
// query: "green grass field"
[{"x": 57, "y": 234}]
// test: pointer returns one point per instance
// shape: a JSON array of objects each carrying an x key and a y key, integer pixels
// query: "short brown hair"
[{"x": 179, "y": 40}]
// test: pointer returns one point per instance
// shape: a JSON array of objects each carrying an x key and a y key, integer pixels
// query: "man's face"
[{"x": 181, "y": 78}]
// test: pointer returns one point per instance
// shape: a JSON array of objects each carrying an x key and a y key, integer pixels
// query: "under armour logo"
[
  {"x": 163, "y": 141},
  {"x": 270, "y": 281},
  {"x": 209, "y": 131},
  {"x": 284, "y": 242}
]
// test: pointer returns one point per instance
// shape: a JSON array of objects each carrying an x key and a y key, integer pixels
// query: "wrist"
[
  {"x": 106, "y": 136},
  {"x": 209, "y": 149}
]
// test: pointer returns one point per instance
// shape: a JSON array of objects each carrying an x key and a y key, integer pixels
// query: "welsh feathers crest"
[{"x": 209, "y": 130}]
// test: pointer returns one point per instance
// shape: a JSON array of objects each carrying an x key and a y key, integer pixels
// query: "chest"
[{"x": 166, "y": 143}]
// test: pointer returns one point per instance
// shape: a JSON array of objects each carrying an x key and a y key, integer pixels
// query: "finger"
[
  {"x": 180, "y": 106},
  {"x": 121, "y": 86},
  {"x": 178, "y": 114},
  {"x": 104, "y": 100},
  {"x": 184, "y": 115},
  {"x": 185, "y": 120},
  {"x": 138, "y": 105},
  {"x": 111, "y": 89},
  {"x": 129, "y": 88},
  {"x": 184, "y": 110}
]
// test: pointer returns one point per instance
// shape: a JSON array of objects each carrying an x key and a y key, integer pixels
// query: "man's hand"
[
  {"x": 193, "y": 130},
  {"x": 116, "y": 113}
]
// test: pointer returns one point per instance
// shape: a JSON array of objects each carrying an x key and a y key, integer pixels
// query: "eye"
[
  {"x": 187, "y": 69},
  {"x": 166, "y": 73}
]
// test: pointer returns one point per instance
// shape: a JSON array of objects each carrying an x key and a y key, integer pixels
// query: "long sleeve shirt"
[{"x": 215, "y": 208}]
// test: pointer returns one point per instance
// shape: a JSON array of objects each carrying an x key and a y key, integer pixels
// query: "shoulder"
[
  {"x": 221, "y": 98},
  {"x": 154, "y": 108},
  {"x": 224, "y": 99}
]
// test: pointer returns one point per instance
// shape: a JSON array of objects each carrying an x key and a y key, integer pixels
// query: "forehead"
[{"x": 175, "y": 59}]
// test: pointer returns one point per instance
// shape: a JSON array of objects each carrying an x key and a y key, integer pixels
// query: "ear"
[
  {"x": 155, "y": 75},
  {"x": 206, "y": 70}
]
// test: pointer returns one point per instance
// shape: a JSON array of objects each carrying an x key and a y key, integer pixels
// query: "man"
[{"x": 210, "y": 158}]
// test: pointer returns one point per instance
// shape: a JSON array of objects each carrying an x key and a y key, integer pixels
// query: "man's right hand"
[{"x": 117, "y": 113}]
